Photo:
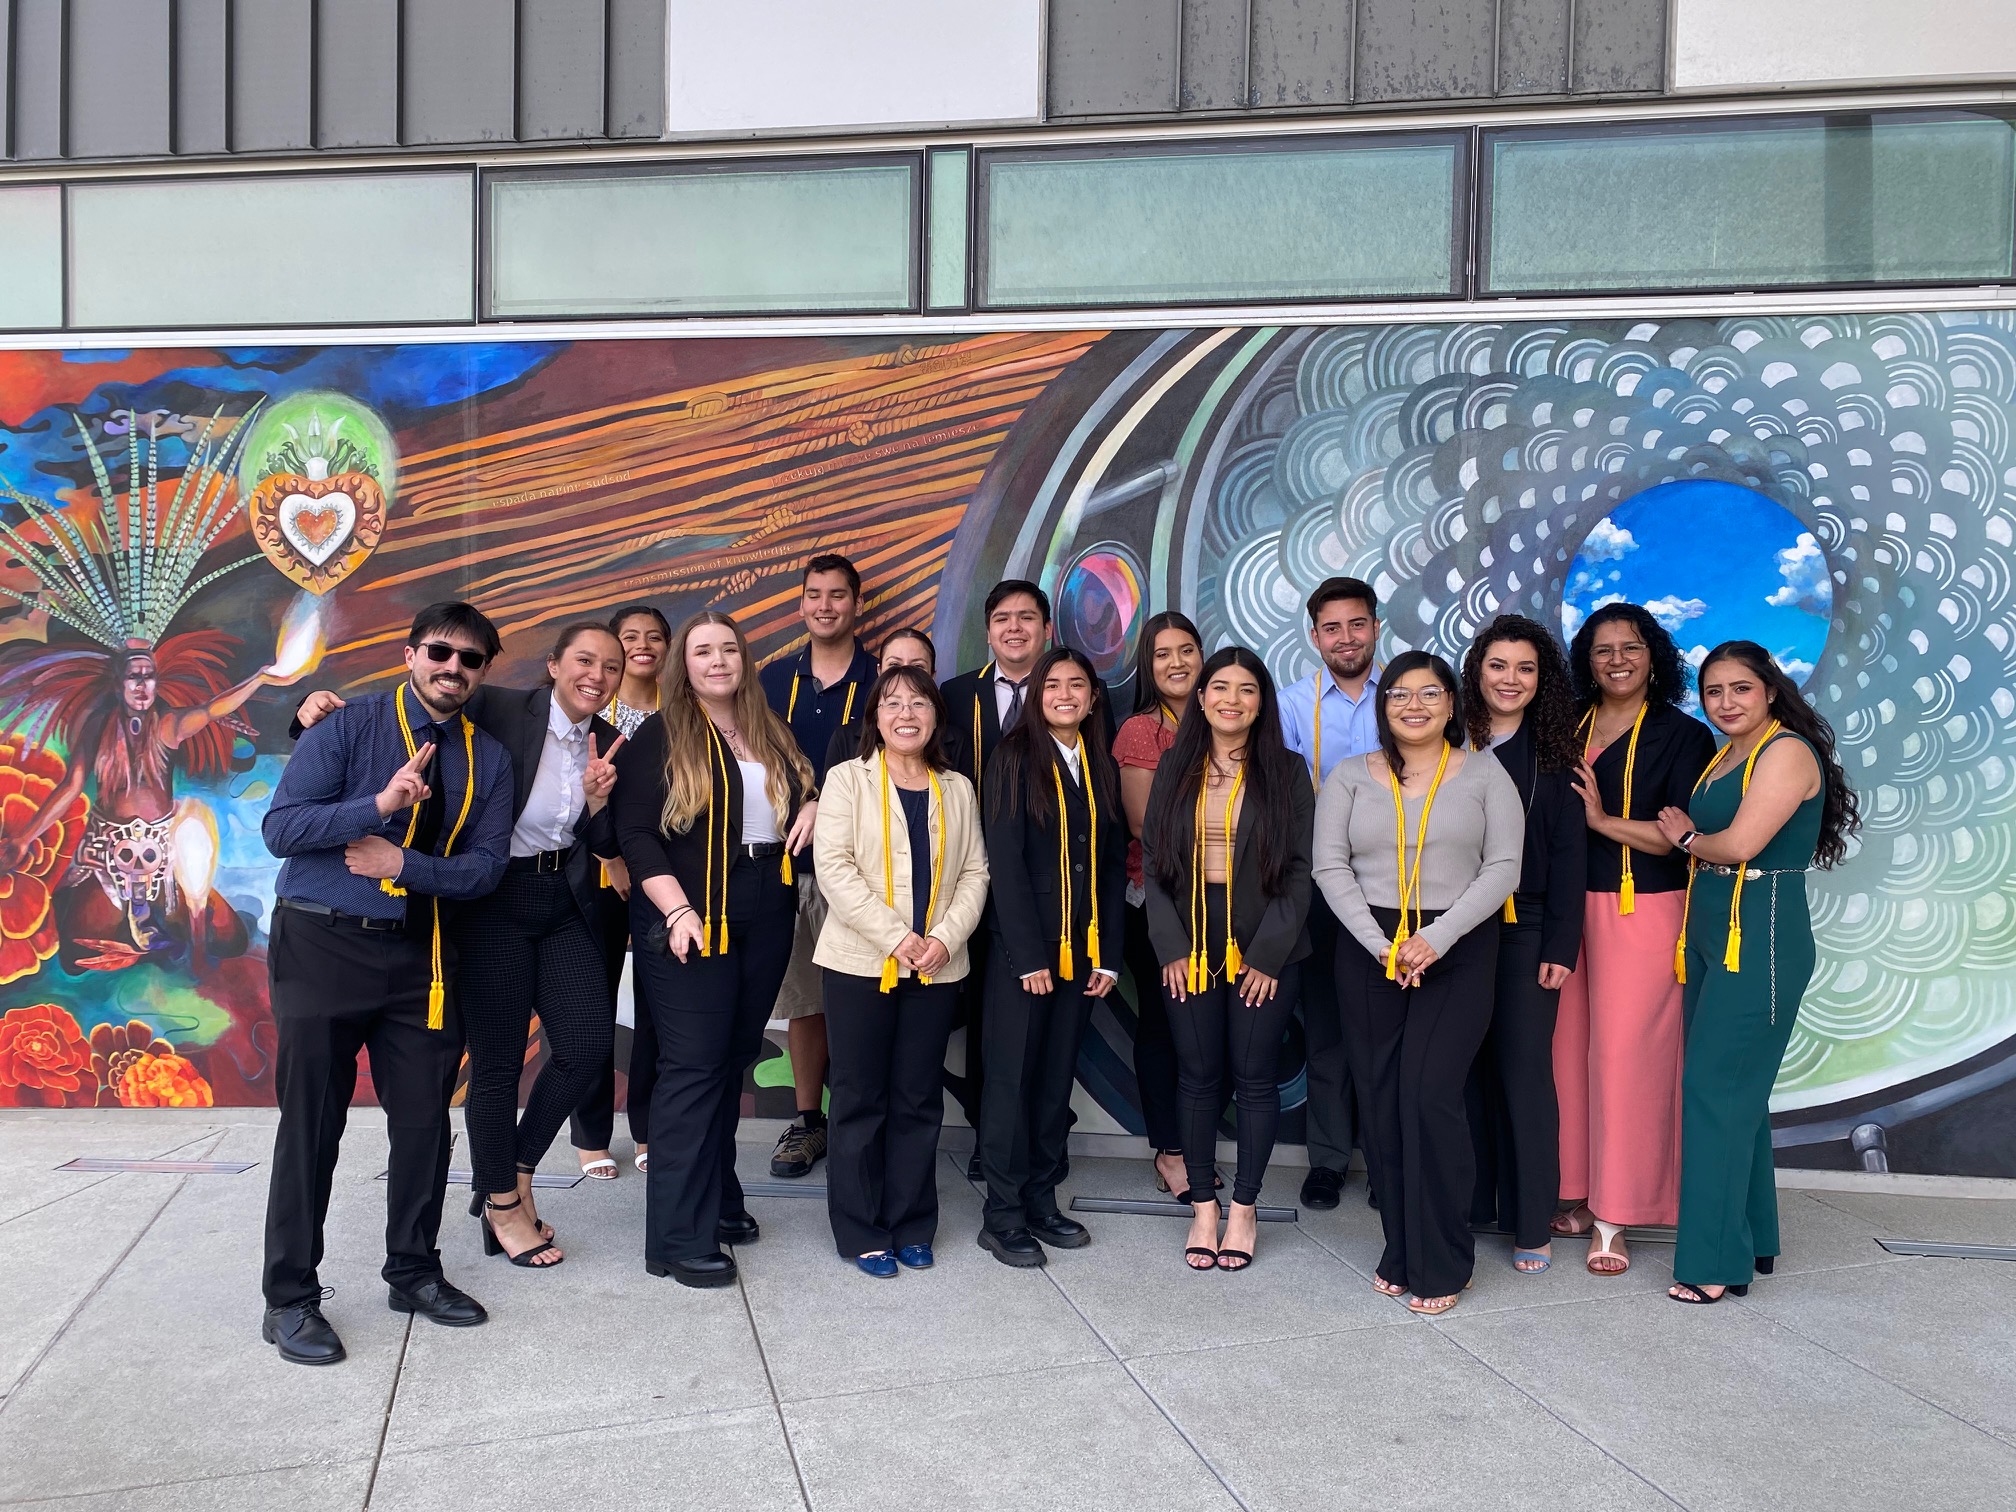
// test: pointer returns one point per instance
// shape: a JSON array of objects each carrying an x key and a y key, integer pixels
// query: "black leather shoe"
[
  {"x": 302, "y": 1334},
  {"x": 439, "y": 1300},
  {"x": 1061, "y": 1232},
  {"x": 699, "y": 1271},
  {"x": 973, "y": 1167},
  {"x": 1017, "y": 1247},
  {"x": 737, "y": 1228},
  {"x": 1322, "y": 1187}
]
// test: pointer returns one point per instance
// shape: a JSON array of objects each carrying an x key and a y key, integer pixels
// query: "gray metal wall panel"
[
  {"x": 357, "y": 73},
  {"x": 636, "y": 68},
  {"x": 38, "y": 78},
  {"x": 116, "y": 93},
  {"x": 560, "y": 69},
  {"x": 6, "y": 78},
  {"x": 1533, "y": 46},
  {"x": 1214, "y": 54},
  {"x": 1425, "y": 49},
  {"x": 1620, "y": 45},
  {"x": 458, "y": 77},
  {"x": 1113, "y": 57},
  {"x": 272, "y": 83},
  {"x": 201, "y": 95},
  {"x": 1301, "y": 52}
]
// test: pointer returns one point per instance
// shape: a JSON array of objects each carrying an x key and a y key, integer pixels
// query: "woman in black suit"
[
  {"x": 1057, "y": 852},
  {"x": 712, "y": 800},
  {"x": 1225, "y": 853}
]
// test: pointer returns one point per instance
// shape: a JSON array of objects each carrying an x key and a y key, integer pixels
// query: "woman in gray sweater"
[{"x": 1417, "y": 875}]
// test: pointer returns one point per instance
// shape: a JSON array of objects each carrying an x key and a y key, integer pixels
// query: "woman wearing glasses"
[
  {"x": 1618, "y": 1038},
  {"x": 1418, "y": 845},
  {"x": 903, "y": 868}
]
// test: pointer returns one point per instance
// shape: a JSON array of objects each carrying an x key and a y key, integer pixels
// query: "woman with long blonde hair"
[{"x": 714, "y": 798}]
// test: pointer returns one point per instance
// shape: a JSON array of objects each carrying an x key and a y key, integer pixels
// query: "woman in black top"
[
  {"x": 712, "y": 800},
  {"x": 1517, "y": 704},
  {"x": 1057, "y": 851},
  {"x": 1225, "y": 854}
]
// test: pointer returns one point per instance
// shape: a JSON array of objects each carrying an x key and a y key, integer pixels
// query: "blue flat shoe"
[
  {"x": 1526, "y": 1254},
  {"x": 916, "y": 1256},
  {"x": 881, "y": 1265}
]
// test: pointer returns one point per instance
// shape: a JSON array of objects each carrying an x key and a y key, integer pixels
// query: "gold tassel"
[
  {"x": 1065, "y": 964},
  {"x": 436, "y": 996},
  {"x": 889, "y": 973},
  {"x": 1732, "y": 958},
  {"x": 602, "y": 869},
  {"x": 1680, "y": 959},
  {"x": 1092, "y": 943},
  {"x": 1196, "y": 972},
  {"x": 1234, "y": 961},
  {"x": 1511, "y": 912},
  {"x": 1627, "y": 895},
  {"x": 789, "y": 881}
]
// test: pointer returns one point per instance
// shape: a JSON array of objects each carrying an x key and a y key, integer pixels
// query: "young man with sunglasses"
[{"x": 391, "y": 808}]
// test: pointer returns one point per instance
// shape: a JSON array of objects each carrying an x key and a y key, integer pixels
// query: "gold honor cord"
[
  {"x": 791, "y": 704},
  {"x": 437, "y": 991},
  {"x": 1732, "y": 954},
  {"x": 1065, "y": 964},
  {"x": 889, "y": 967},
  {"x": 707, "y": 919},
  {"x": 1200, "y": 953},
  {"x": 1316, "y": 716},
  {"x": 1627, "y": 889},
  {"x": 977, "y": 692},
  {"x": 1410, "y": 889}
]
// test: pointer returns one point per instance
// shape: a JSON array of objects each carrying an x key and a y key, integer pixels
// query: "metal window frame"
[{"x": 965, "y": 301}]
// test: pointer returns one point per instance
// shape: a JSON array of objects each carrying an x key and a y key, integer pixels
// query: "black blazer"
[
  {"x": 1025, "y": 906},
  {"x": 1272, "y": 932},
  {"x": 1673, "y": 751},
  {"x": 1555, "y": 873},
  {"x": 973, "y": 692}
]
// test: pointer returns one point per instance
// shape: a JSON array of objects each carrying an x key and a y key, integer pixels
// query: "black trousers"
[
  {"x": 709, "y": 1013},
  {"x": 968, "y": 1089},
  {"x": 1515, "y": 1120},
  {"x": 1154, "y": 1048},
  {"x": 887, "y": 1053},
  {"x": 594, "y": 1120},
  {"x": 527, "y": 948},
  {"x": 337, "y": 989},
  {"x": 1331, "y": 1113},
  {"x": 1025, "y": 1110},
  {"x": 1411, "y": 1051}
]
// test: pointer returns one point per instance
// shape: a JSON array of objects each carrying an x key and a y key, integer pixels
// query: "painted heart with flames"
[{"x": 318, "y": 530}]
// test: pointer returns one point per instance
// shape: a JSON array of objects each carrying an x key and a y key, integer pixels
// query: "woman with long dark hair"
[
  {"x": 1517, "y": 705},
  {"x": 1225, "y": 844},
  {"x": 1618, "y": 1037},
  {"x": 1418, "y": 845},
  {"x": 1773, "y": 802},
  {"x": 711, "y": 803},
  {"x": 1165, "y": 675},
  {"x": 1056, "y": 847}
]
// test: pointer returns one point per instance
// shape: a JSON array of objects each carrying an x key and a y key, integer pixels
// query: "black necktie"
[
  {"x": 1014, "y": 715},
  {"x": 428, "y": 832}
]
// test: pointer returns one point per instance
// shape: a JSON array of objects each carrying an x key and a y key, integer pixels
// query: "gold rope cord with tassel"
[
  {"x": 1410, "y": 889},
  {"x": 1627, "y": 888},
  {"x": 708, "y": 920},
  {"x": 437, "y": 990},
  {"x": 1092, "y": 848},
  {"x": 1316, "y": 717},
  {"x": 1732, "y": 953},
  {"x": 889, "y": 966},
  {"x": 1065, "y": 963},
  {"x": 1200, "y": 954},
  {"x": 978, "y": 691}
]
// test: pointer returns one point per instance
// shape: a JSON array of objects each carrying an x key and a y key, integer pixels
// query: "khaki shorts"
[{"x": 801, "y": 995}]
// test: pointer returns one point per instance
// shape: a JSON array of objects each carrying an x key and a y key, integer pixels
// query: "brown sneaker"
[{"x": 798, "y": 1150}]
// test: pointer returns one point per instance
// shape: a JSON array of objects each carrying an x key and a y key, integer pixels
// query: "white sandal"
[
  {"x": 642, "y": 1160},
  {"x": 1602, "y": 1247},
  {"x": 599, "y": 1170}
]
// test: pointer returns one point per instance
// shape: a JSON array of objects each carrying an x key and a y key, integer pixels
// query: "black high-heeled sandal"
[
  {"x": 1697, "y": 1297},
  {"x": 1766, "y": 1264},
  {"x": 476, "y": 1200},
  {"x": 1210, "y": 1255},
  {"x": 492, "y": 1245}
]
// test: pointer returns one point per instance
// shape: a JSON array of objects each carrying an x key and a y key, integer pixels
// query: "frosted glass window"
[
  {"x": 713, "y": 239},
  {"x": 950, "y": 173},
  {"x": 253, "y": 249},
  {"x": 1879, "y": 200},
  {"x": 1226, "y": 222},
  {"x": 31, "y": 258}
]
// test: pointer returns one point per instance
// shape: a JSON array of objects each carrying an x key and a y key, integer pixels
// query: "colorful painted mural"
[{"x": 192, "y": 537}]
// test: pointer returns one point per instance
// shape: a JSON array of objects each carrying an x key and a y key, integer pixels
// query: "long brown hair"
[
  {"x": 1840, "y": 807},
  {"x": 1550, "y": 717},
  {"x": 689, "y": 753}
]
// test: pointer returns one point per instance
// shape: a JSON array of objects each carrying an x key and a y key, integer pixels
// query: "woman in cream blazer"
[{"x": 900, "y": 858}]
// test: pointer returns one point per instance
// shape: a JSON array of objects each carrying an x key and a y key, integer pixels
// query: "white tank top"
[{"x": 759, "y": 819}]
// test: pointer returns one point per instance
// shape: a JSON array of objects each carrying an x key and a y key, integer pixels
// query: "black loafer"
[
  {"x": 1017, "y": 1247},
  {"x": 1064, "y": 1233},
  {"x": 1322, "y": 1187},
  {"x": 699, "y": 1271},
  {"x": 440, "y": 1301},
  {"x": 302, "y": 1334},
  {"x": 737, "y": 1228}
]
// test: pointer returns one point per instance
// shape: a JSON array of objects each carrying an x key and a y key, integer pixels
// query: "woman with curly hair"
[
  {"x": 1618, "y": 1038},
  {"x": 1746, "y": 952},
  {"x": 1517, "y": 704}
]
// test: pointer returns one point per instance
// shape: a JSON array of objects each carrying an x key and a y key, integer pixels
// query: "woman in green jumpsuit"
[{"x": 1773, "y": 803}]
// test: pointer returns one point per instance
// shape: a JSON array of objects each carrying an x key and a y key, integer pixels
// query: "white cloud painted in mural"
[
  {"x": 1803, "y": 565},
  {"x": 1672, "y": 611},
  {"x": 1607, "y": 542},
  {"x": 1572, "y": 617}
]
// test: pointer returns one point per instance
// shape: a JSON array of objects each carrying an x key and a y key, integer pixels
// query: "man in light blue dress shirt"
[{"x": 1325, "y": 718}]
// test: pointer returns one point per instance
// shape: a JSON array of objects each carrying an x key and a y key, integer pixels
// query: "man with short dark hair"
[
  {"x": 1325, "y": 718},
  {"x": 390, "y": 805},
  {"x": 815, "y": 690}
]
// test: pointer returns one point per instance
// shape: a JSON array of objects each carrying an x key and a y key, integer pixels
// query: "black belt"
[
  {"x": 763, "y": 850},
  {"x": 336, "y": 916},
  {"x": 540, "y": 861}
]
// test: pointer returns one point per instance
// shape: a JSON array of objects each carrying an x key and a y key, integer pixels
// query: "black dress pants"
[
  {"x": 969, "y": 1088},
  {"x": 337, "y": 989},
  {"x": 594, "y": 1120},
  {"x": 1411, "y": 1050},
  {"x": 1154, "y": 1048},
  {"x": 887, "y": 1056},
  {"x": 1331, "y": 1112},
  {"x": 1025, "y": 1110},
  {"x": 527, "y": 948},
  {"x": 1515, "y": 1120},
  {"x": 709, "y": 1012}
]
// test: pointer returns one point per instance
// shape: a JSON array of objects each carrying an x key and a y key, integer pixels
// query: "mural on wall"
[{"x": 195, "y": 536}]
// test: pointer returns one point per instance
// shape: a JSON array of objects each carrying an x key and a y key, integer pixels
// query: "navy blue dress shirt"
[{"x": 816, "y": 712}]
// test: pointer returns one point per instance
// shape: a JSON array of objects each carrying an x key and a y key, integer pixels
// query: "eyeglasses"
[
  {"x": 1428, "y": 698},
  {"x": 440, "y": 651},
  {"x": 1629, "y": 651},
  {"x": 905, "y": 706}
]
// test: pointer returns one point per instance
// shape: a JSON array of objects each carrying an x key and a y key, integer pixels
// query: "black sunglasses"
[{"x": 440, "y": 651}]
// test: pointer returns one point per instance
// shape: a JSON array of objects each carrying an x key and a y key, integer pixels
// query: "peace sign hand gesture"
[
  {"x": 598, "y": 778},
  {"x": 407, "y": 786}
]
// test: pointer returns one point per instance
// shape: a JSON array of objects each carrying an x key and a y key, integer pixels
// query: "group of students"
[{"x": 1509, "y": 904}]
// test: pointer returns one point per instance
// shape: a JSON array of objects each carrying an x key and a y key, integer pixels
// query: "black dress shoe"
[
  {"x": 303, "y": 1335},
  {"x": 1064, "y": 1233},
  {"x": 1017, "y": 1247},
  {"x": 443, "y": 1302},
  {"x": 973, "y": 1167},
  {"x": 1322, "y": 1187},
  {"x": 737, "y": 1228},
  {"x": 699, "y": 1271}
]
